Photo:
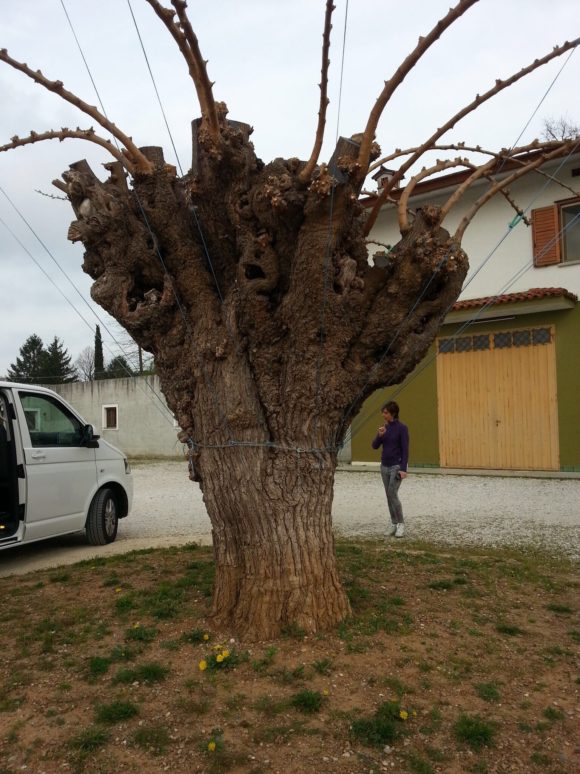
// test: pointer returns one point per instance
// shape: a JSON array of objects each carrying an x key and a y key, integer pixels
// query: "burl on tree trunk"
[{"x": 269, "y": 328}]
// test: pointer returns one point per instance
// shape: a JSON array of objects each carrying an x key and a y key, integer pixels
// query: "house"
[{"x": 500, "y": 387}]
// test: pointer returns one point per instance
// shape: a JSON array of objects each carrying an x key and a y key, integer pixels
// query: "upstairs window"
[
  {"x": 556, "y": 233},
  {"x": 570, "y": 219}
]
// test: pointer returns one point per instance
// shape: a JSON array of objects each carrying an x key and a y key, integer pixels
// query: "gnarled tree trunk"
[{"x": 269, "y": 329}]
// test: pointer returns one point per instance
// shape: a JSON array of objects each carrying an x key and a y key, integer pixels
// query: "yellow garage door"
[{"x": 497, "y": 400}]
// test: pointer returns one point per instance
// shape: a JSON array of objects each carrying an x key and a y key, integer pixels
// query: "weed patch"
[{"x": 474, "y": 731}]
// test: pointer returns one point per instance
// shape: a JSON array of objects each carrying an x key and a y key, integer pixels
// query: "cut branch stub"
[
  {"x": 343, "y": 160},
  {"x": 197, "y": 153}
]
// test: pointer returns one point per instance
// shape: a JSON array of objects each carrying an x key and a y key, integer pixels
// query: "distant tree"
[
  {"x": 140, "y": 362},
  {"x": 57, "y": 363},
  {"x": 85, "y": 365},
  {"x": 99, "y": 359},
  {"x": 118, "y": 368},
  {"x": 29, "y": 366},
  {"x": 559, "y": 129}
]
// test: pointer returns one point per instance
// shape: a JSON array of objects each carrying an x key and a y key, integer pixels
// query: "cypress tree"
[{"x": 99, "y": 359}]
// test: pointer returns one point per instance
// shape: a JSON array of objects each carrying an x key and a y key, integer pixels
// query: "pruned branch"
[
  {"x": 410, "y": 187},
  {"x": 400, "y": 74},
  {"x": 502, "y": 156},
  {"x": 63, "y": 134},
  {"x": 187, "y": 43},
  {"x": 136, "y": 158},
  {"x": 479, "y": 172},
  {"x": 494, "y": 166},
  {"x": 479, "y": 100},
  {"x": 563, "y": 149},
  {"x": 311, "y": 163}
]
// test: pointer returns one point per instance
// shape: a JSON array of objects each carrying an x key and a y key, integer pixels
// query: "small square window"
[
  {"x": 502, "y": 340},
  {"x": 481, "y": 341},
  {"x": 110, "y": 418},
  {"x": 464, "y": 344},
  {"x": 541, "y": 336},
  {"x": 522, "y": 338},
  {"x": 446, "y": 345}
]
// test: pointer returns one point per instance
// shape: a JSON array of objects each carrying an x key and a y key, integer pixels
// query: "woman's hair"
[{"x": 392, "y": 408}]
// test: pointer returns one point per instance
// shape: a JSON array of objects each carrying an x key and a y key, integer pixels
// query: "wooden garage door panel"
[{"x": 498, "y": 408}]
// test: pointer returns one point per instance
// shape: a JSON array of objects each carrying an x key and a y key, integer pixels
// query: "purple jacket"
[{"x": 395, "y": 443}]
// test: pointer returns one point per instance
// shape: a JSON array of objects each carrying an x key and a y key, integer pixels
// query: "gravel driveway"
[{"x": 457, "y": 510}]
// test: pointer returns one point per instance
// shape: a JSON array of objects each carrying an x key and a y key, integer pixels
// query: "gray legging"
[{"x": 392, "y": 483}]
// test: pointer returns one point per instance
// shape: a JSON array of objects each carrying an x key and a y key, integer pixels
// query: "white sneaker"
[
  {"x": 399, "y": 530},
  {"x": 392, "y": 529}
]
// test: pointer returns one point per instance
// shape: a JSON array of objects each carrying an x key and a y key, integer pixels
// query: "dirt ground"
[{"x": 455, "y": 660}]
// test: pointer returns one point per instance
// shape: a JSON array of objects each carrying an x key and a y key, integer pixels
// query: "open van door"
[
  {"x": 11, "y": 510},
  {"x": 60, "y": 465}
]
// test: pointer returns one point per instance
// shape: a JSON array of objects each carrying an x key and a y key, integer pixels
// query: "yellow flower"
[
  {"x": 136, "y": 625},
  {"x": 203, "y": 664},
  {"x": 118, "y": 589},
  {"x": 403, "y": 714},
  {"x": 414, "y": 714},
  {"x": 225, "y": 653},
  {"x": 206, "y": 636},
  {"x": 325, "y": 692},
  {"x": 211, "y": 746},
  {"x": 219, "y": 658}
]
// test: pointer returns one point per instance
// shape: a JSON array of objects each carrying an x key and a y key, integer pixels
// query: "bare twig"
[
  {"x": 479, "y": 100},
  {"x": 502, "y": 156},
  {"x": 63, "y": 134},
  {"x": 139, "y": 161},
  {"x": 563, "y": 149},
  {"x": 400, "y": 74},
  {"x": 495, "y": 166},
  {"x": 380, "y": 244},
  {"x": 51, "y": 196},
  {"x": 311, "y": 163},
  {"x": 187, "y": 44},
  {"x": 403, "y": 206}
]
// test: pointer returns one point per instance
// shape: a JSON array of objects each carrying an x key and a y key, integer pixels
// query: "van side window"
[{"x": 49, "y": 423}]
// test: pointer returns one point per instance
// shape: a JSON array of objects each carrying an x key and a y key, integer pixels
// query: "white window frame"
[
  {"x": 564, "y": 258},
  {"x": 106, "y": 406}
]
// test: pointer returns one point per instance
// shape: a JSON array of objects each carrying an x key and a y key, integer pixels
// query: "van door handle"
[{"x": 38, "y": 456}]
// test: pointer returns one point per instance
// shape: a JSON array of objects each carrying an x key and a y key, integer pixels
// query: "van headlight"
[{"x": 127, "y": 466}]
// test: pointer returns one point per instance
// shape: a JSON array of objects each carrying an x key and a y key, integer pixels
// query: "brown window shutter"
[{"x": 545, "y": 236}]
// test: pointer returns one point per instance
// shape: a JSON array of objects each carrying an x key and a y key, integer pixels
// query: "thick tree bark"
[
  {"x": 273, "y": 542},
  {"x": 269, "y": 329}
]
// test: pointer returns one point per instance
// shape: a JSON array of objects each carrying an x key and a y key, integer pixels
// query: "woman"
[{"x": 393, "y": 436}]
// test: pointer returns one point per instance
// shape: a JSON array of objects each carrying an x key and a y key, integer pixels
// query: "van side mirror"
[{"x": 90, "y": 440}]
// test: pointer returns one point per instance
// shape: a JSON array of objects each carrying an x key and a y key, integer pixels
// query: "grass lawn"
[{"x": 454, "y": 661}]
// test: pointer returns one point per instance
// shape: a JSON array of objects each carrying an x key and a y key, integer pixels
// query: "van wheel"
[{"x": 103, "y": 518}]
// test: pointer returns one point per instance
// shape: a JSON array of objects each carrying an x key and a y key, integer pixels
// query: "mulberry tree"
[{"x": 251, "y": 284}]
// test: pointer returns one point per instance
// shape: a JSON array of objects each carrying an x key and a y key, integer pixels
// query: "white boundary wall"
[{"x": 145, "y": 426}]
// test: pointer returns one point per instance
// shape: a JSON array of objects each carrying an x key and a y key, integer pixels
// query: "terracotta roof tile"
[{"x": 508, "y": 298}]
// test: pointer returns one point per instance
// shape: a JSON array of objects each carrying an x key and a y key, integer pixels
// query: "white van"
[{"x": 56, "y": 475}]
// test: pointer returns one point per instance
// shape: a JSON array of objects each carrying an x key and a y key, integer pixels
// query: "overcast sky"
[{"x": 264, "y": 56}]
